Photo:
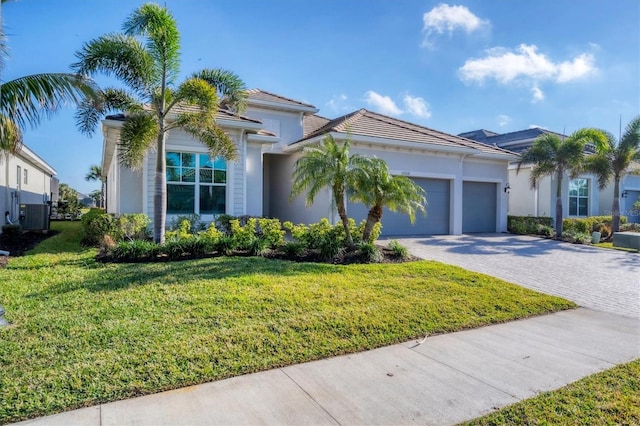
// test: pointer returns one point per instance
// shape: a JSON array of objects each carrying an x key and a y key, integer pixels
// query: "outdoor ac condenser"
[{"x": 34, "y": 217}]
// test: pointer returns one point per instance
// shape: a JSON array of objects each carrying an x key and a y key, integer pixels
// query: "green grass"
[
  {"x": 84, "y": 333},
  {"x": 608, "y": 398},
  {"x": 609, "y": 245}
]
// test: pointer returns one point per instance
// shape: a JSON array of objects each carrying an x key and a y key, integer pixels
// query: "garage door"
[
  {"x": 435, "y": 223},
  {"x": 633, "y": 216},
  {"x": 478, "y": 207}
]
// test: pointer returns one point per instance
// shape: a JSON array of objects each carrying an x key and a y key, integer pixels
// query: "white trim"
[
  {"x": 280, "y": 105},
  {"x": 262, "y": 139}
]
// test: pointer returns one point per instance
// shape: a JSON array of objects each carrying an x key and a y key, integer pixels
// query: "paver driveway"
[{"x": 600, "y": 279}]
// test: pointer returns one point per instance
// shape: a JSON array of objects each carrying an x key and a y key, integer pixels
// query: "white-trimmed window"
[
  {"x": 196, "y": 183},
  {"x": 26, "y": 177},
  {"x": 579, "y": 197}
]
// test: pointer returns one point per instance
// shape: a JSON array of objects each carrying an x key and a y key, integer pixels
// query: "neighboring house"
[
  {"x": 464, "y": 179},
  {"x": 25, "y": 178},
  {"x": 581, "y": 196}
]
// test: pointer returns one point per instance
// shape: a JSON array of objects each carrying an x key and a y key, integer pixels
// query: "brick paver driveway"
[{"x": 600, "y": 279}]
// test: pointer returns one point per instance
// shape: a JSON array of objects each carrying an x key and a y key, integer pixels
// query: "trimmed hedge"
[
  {"x": 588, "y": 224},
  {"x": 536, "y": 225}
]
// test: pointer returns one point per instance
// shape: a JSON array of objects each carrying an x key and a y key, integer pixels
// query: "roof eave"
[{"x": 283, "y": 106}]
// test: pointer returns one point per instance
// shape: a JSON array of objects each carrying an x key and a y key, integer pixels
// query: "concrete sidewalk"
[{"x": 445, "y": 380}]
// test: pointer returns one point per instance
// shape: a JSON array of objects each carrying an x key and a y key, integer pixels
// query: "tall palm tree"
[
  {"x": 612, "y": 159},
  {"x": 94, "y": 174},
  {"x": 555, "y": 156},
  {"x": 327, "y": 165},
  {"x": 25, "y": 101},
  {"x": 376, "y": 188},
  {"x": 146, "y": 58}
]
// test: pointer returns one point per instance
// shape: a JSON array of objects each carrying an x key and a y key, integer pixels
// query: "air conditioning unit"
[{"x": 34, "y": 217}]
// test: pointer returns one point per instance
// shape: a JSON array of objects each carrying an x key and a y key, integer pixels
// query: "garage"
[
  {"x": 435, "y": 223},
  {"x": 478, "y": 207}
]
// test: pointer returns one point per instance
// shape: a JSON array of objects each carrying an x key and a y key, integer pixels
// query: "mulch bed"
[{"x": 18, "y": 245}]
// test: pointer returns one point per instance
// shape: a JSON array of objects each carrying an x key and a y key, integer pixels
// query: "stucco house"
[
  {"x": 25, "y": 178},
  {"x": 464, "y": 179},
  {"x": 581, "y": 196}
]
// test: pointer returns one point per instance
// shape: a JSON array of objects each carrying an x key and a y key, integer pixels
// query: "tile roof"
[
  {"x": 532, "y": 133},
  {"x": 478, "y": 135},
  {"x": 262, "y": 95},
  {"x": 222, "y": 114},
  {"x": 370, "y": 124},
  {"x": 311, "y": 123}
]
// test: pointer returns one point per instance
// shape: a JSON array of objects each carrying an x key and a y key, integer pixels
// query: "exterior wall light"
[
  {"x": 507, "y": 188},
  {"x": 624, "y": 194}
]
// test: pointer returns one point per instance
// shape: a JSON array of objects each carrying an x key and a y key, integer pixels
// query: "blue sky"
[{"x": 501, "y": 65}]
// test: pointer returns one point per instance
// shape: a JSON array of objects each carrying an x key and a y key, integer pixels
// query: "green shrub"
[
  {"x": 545, "y": 230},
  {"x": 527, "y": 225},
  {"x": 132, "y": 227},
  {"x": 292, "y": 249},
  {"x": 630, "y": 227},
  {"x": 95, "y": 225},
  {"x": 270, "y": 230},
  {"x": 224, "y": 244},
  {"x": 135, "y": 250},
  {"x": 176, "y": 248},
  {"x": 256, "y": 246},
  {"x": 243, "y": 236},
  {"x": 398, "y": 251},
  {"x": 195, "y": 224},
  {"x": 586, "y": 224},
  {"x": 577, "y": 237},
  {"x": 369, "y": 252},
  {"x": 12, "y": 232}
]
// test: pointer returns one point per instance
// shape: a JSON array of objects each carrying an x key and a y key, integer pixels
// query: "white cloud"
[
  {"x": 445, "y": 18},
  {"x": 417, "y": 106},
  {"x": 538, "y": 95},
  {"x": 525, "y": 63},
  {"x": 384, "y": 104},
  {"x": 337, "y": 103},
  {"x": 503, "y": 120}
]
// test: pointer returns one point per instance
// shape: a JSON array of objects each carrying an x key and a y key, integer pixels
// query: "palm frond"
[
  {"x": 10, "y": 135},
  {"x": 26, "y": 100},
  {"x": 631, "y": 137},
  {"x": 601, "y": 166},
  {"x": 163, "y": 38},
  {"x": 231, "y": 90},
  {"x": 92, "y": 110},
  {"x": 214, "y": 137},
  {"x": 138, "y": 134},
  {"x": 120, "y": 56}
]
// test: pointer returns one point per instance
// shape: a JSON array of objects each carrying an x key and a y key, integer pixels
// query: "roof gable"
[
  {"x": 259, "y": 97},
  {"x": 366, "y": 123}
]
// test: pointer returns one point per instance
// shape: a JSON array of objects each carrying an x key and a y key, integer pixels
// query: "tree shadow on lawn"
[{"x": 121, "y": 276}]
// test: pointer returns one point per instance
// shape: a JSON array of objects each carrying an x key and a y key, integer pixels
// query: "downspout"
[{"x": 244, "y": 171}]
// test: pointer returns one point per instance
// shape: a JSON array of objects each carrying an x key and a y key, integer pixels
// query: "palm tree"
[
  {"x": 95, "y": 173},
  {"x": 326, "y": 165},
  {"x": 146, "y": 58},
  {"x": 612, "y": 159},
  {"x": 25, "y": 101},
  {"x": 376, "y": 188},
  {"x": 555, "y": 156}
]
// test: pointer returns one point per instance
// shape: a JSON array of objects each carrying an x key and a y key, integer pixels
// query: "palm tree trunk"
[
  {"x": 559, "y": 204},
  {"x": 160, "y": 191},
  {"x": 615, "y": 208},
  {"x": 342, "y": 212},
  {"x": 373, "y": 216}
]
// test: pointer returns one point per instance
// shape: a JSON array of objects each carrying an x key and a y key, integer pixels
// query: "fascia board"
[{"x": 278, "y": 105}]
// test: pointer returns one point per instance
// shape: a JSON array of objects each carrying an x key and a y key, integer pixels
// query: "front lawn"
[
  {"x": 608, "y": 398},
  {"x": 85, "y": 332}
]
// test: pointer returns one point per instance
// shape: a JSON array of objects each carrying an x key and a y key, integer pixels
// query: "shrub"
[
  {"x": 195, "y": 224},
  {"x": 95, "y": 225},
  {"x": 604, "y": 229},
  {"x": 586, "y": 224},
  {"x": 135, "y": 250},
  {"x": 292, "y": 249},
  {"x": 132, "y": 227},
  {"x": 577, "y": 237},
  {"x": 369, "y": 252},
  {"x": 270, "y": 230},
  {"x": 12, "y": 232},
  {"x": 243, "y": 236},
  {"x": 398, "y": 250},
  {"x": 630, "y": 227},
  {"x": 545, "y": 230},
  {"x": 223, "y": 244},
  {"x": 527, "y": 224}
]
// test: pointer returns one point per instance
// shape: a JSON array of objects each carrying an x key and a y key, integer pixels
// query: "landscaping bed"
[{"x": 84, "y": 332}]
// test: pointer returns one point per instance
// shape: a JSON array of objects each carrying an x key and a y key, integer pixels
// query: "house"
[
  {"x": 25, "y": 178},
  {"x": 581, "y": 196},
  {"x": 464, "y": 179}
]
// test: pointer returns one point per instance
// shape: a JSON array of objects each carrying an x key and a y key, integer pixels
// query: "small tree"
[
  {"x": 613, "y": 159},
  {"x": 555, "y": 156},
  {"x": 376, "y": 188},
  {"x": 95, "y": 173},
  {"x": 327, "y": 165}
]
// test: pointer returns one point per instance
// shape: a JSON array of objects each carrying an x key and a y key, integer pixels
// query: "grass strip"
[
  {"x": 608, "y": 398},
  {"x": 85, "y": 333}
]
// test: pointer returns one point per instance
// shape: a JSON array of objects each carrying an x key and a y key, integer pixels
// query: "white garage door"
[
  {"x": 435, "y": 223},
  {"x": 478, "y": 207}
]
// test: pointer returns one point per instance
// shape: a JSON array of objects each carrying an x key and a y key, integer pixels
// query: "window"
[
  {"x": 196, "y": 183},
  {"x": 19, "y": 178},
  {"x": 579, "y": 197},
  {"x": 26, "y": 177}
]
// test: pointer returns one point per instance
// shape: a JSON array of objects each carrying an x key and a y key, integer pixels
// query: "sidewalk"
[{"x": 445, "y": 380}]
